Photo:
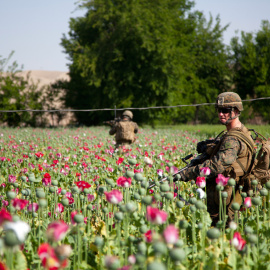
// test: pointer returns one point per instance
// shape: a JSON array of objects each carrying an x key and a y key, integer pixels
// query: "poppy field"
[{"x": 69, "y": 200}]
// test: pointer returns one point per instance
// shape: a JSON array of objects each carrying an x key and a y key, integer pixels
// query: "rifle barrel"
[{"x": 165, "y": 178}]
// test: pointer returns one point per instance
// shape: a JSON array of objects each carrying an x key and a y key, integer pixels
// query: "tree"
[
  {"x": 251, "y": 66},
  {"x": 17, "y": 93},
  {"x": 139, "y": 54}
]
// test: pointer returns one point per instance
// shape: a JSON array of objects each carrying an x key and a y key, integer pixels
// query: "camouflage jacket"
[
  {"x": 228, "y": 152},
  {"x": 124, "y": 131}
]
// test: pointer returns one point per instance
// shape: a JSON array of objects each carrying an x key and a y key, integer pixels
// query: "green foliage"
[
  {"x": 17, "y": 93},
  {"x": 144, "y": 53},
  {"x": 251, "y": 62}
]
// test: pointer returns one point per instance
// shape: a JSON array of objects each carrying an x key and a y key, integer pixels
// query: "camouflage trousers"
[{"x": 213, "y": 202}]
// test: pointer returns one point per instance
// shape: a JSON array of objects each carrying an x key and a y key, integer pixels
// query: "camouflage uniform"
[
  {"x": 124, "y": 131},
  {"x": 231, "y": 157}
]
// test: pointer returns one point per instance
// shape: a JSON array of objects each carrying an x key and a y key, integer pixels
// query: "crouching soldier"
[{"x": 124, "y": 130}]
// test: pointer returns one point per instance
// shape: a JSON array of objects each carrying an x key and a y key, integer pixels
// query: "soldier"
[
  {"x": 232, "y": 156},
  {"x": 124, "y": 130}
]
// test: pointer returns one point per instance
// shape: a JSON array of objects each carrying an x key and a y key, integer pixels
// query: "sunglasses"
[{"x": 224, "y": 110}]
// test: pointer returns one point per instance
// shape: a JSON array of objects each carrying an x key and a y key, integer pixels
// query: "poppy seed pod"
[
  {"x": 159, "y": 248},
  {"x": 164, "y": 187},
  {"x": 79, "y": 218},
  {"x": 147, "y": 200},
  {"x": 267, "y": 184},
  {"x": 252, "y": 238},
  {"x": 254, "y": 182},
  {"x": 235, "y": 206},
  {"x": 129, "y": 174},
  {"x": 65, "y": 201},
  {"x": 180, "y": 204},
  {"x": 119, "y": 216},
  {"x": 156, "y": 266},
  {"x": 231, "y": 182},
  {"x": 248, "y": 230},
  {"x": 213, "y": 233},
  {"x": 177, "y": 254},
  {"x": 143, "y": 228},
  {"x": 137, "y": 196},
  {"x": 183, "y": 224},
  {"x": 142, "y": 248},
  {"x": 11, "y": 195},
  {"x": 256, "y": 201},
  {"x": 10, "y": 239},
  {"x": 54, "y": 182},
  {"x": 132, "y": 161},
  {"x": 157, "y": 197},
  {"x": 138, "y": 177},
  {"x": 122, "y": 208},
  {"x": 264, "y": 192},
  {"x": 169, "y": 196},
  {"x": 142, "y": 191},
  {"x": 145, "y": 184},
  {"x": 40, "y": 194},
  {"x": 99, "y": 241},
  {"x": 42, "y": 203}
]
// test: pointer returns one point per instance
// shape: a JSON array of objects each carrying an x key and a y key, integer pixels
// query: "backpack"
[
  {"x": 125, "y": 131},
  {"x": 260, "y": 169},
  {"x": 260, "y": 164}
]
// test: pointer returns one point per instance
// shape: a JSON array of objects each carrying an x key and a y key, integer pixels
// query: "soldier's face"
[{"x": 224, "y": 114}]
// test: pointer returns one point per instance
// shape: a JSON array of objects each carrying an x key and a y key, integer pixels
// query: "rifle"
[
  {"x": 202, "y": 150},
  {"x": 197, "y": 160},
  {"x": 112, "y": 122}
]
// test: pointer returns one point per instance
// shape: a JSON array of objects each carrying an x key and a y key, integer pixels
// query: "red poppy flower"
[
  {"x": 4, "y": 216},
  {"x": 39, "y": 154},
  {"x": 19, "y": 204},
  {"x": 82, "y": 185}
]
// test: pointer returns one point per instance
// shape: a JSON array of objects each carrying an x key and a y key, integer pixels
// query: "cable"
[{"x": 121, "y": 109}]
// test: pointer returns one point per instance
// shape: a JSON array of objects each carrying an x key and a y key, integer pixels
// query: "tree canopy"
[
  {"x": 251, "y": 66},
  {"x": 144, "y": 53}
]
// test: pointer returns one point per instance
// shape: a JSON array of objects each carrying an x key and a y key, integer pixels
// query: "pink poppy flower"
[
  {"x": 48, "y": 257},
  {"x": 4, "y": 216},
  {"x": 200, "y": 181},
  {"x": 155, "y": 215},
  {"x": 90, "y": 197},
  {"x": 171, "y": 234},
  {"x": 11, "y": 178},
  {"x": 32, "y": 207},
  {"x": 238, "y": 242},
  {"x": 57, "y": 230},
  {"x": 247, "y": 202},
  {"x": 19, "y": 204},
  {"x": 222, "y": 180},
  {"x": 123, "y": 182},
  {"x": 115, "y": 196},
  {"x": 205, "y": 171},
  {"x": 59, "y": 208},
  {"x": 160, "y": 172},
  {"x": 72, "y": 215},
  {"x": 172, "y": 169},
  {"x": 148, "y": 236}
]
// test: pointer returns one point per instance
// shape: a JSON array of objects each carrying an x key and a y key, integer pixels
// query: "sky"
[{"x": 33, "y": 28}]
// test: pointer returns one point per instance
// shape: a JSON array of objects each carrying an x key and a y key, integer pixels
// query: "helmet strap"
[{"x": 231, "y": 118}]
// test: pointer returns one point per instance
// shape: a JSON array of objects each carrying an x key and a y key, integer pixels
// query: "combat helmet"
[
  {"x": 229, "y": 100},
  {"x": 128, "y": 113}
]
